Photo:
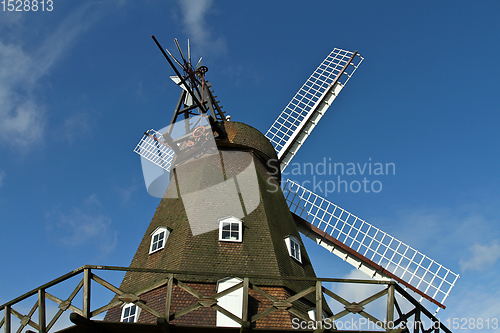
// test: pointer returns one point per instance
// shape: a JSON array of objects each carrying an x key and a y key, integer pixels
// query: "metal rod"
[
  {"x": 180, "y": 50},
  {"x": 183, "y": 81}
]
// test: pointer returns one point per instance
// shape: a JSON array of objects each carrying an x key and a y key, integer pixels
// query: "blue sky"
[{"x": 79, "y": 85}]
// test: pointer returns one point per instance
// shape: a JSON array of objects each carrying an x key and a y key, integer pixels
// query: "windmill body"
[
  {"x": 223, "y": 248},
  {"x": 237, "y": 184}
]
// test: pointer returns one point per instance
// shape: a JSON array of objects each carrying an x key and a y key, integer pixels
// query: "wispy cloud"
[
  {"x": 83, "y": 226},
  {"x": 194, "y": 16},
  {"x": 23, "y": 118},
  {"x": 481, "y": 257}
]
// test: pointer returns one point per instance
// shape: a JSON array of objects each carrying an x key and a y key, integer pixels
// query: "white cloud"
[
  {"x": 22, "y": 117},
  {"x": 83, "y": 227},
  {"x": 2, "y": 177},
  {"x": 198, "y": 30},
  {"x": 476, "y": 301},
  {"x": 482, "y": 256}
]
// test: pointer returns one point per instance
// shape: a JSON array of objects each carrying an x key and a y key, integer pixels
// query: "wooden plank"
[
  {"x": 107, "y": 285},
  {"x": 152, "y": 287},
  {"x": 373, "y": 319},
  {"x": 54, "y": 319},
  {"x": 340, "y": 315},
  {"x": 7, "y": 318},
  {"x": 106, "y": 307},
  {"x": 263, "y": 293},
  {"x": 228, "y": 314},
  {"x": 299, "y": 314},
  {"x": 236, "y": 274},
  {"x": 168, "y": 297},
  {"x": 263, "y": 314},
  {"x": 336, "y": 297},
  {"x": 148, "y": 309},
  {"x": 28, "y": 320},
  {"x": 227, "y": 291},
  {"x": 319, "y": 302},
  {"x": 185, "y": 311},
  {"x": 189, "y": 290},
  {"x": 390, "y": 306},
  {"x": 244, "y": 317},
  {"x": 44, "y": 286},
  {"x": 301, "y": 294},
  {"x": 373, "y": 297}
]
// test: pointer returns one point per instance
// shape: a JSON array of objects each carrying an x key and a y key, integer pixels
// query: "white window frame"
[
  {"x": 130, "y": 306},
  {"x": 158, "y": 231},
  {"x": 231, "y": 220},
  {"x": 293, "y": 246}
]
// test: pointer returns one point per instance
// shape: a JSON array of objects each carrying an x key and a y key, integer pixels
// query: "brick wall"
[{"x": 203, "y": 316}]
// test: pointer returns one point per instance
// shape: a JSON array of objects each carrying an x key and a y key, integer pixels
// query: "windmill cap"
[{"x": 243, "y": 136}]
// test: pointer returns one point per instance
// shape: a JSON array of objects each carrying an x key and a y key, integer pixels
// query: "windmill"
[
  {"x": 210, "y": 176},
  {"x": 223, "y": 248}
]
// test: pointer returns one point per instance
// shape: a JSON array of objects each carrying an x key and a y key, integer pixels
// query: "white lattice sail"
[
  {"x": 152, "y": 147},
  {"x": 306, "y": 108},
  {"x": 369, "y": 247}
]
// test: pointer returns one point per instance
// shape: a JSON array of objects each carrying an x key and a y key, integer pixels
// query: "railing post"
[
  {"x": 418, "y": 318},
  {"x": 41, "y": 311},
  {"x": 319, "y": 302},
  {"x": 244, "y": 316},
  {"x": 390, "y": 308},
  {"x": 86, "y": 292},
  {"x": 168, "y": 296},
  {"x": 7, "y": 319}
]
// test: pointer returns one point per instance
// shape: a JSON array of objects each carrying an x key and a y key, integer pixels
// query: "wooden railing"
[{"x": 417, "y": 319}]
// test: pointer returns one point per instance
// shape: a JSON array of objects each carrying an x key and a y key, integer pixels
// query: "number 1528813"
[{"x": 27, "y": 5}]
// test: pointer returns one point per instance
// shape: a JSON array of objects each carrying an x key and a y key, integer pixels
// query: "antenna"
[
  {"x": 300, "y": 116},
  {"x": 196, "y": 99},
  {"x": 366, "y": 247}
]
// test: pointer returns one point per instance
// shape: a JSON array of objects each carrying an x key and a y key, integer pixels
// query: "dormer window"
[
  {"x": 130, "y": 313},
  {"x": 230, "y": 229},
  {"x": 158, "y": 239},
  {"x": 293, "y": 245}
]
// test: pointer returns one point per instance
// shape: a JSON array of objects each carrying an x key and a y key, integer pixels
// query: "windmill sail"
[
  {"x": 306, "y": 108},
  {"x": 367, "y": 247},
  {"x": 153, "y": 148}
]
